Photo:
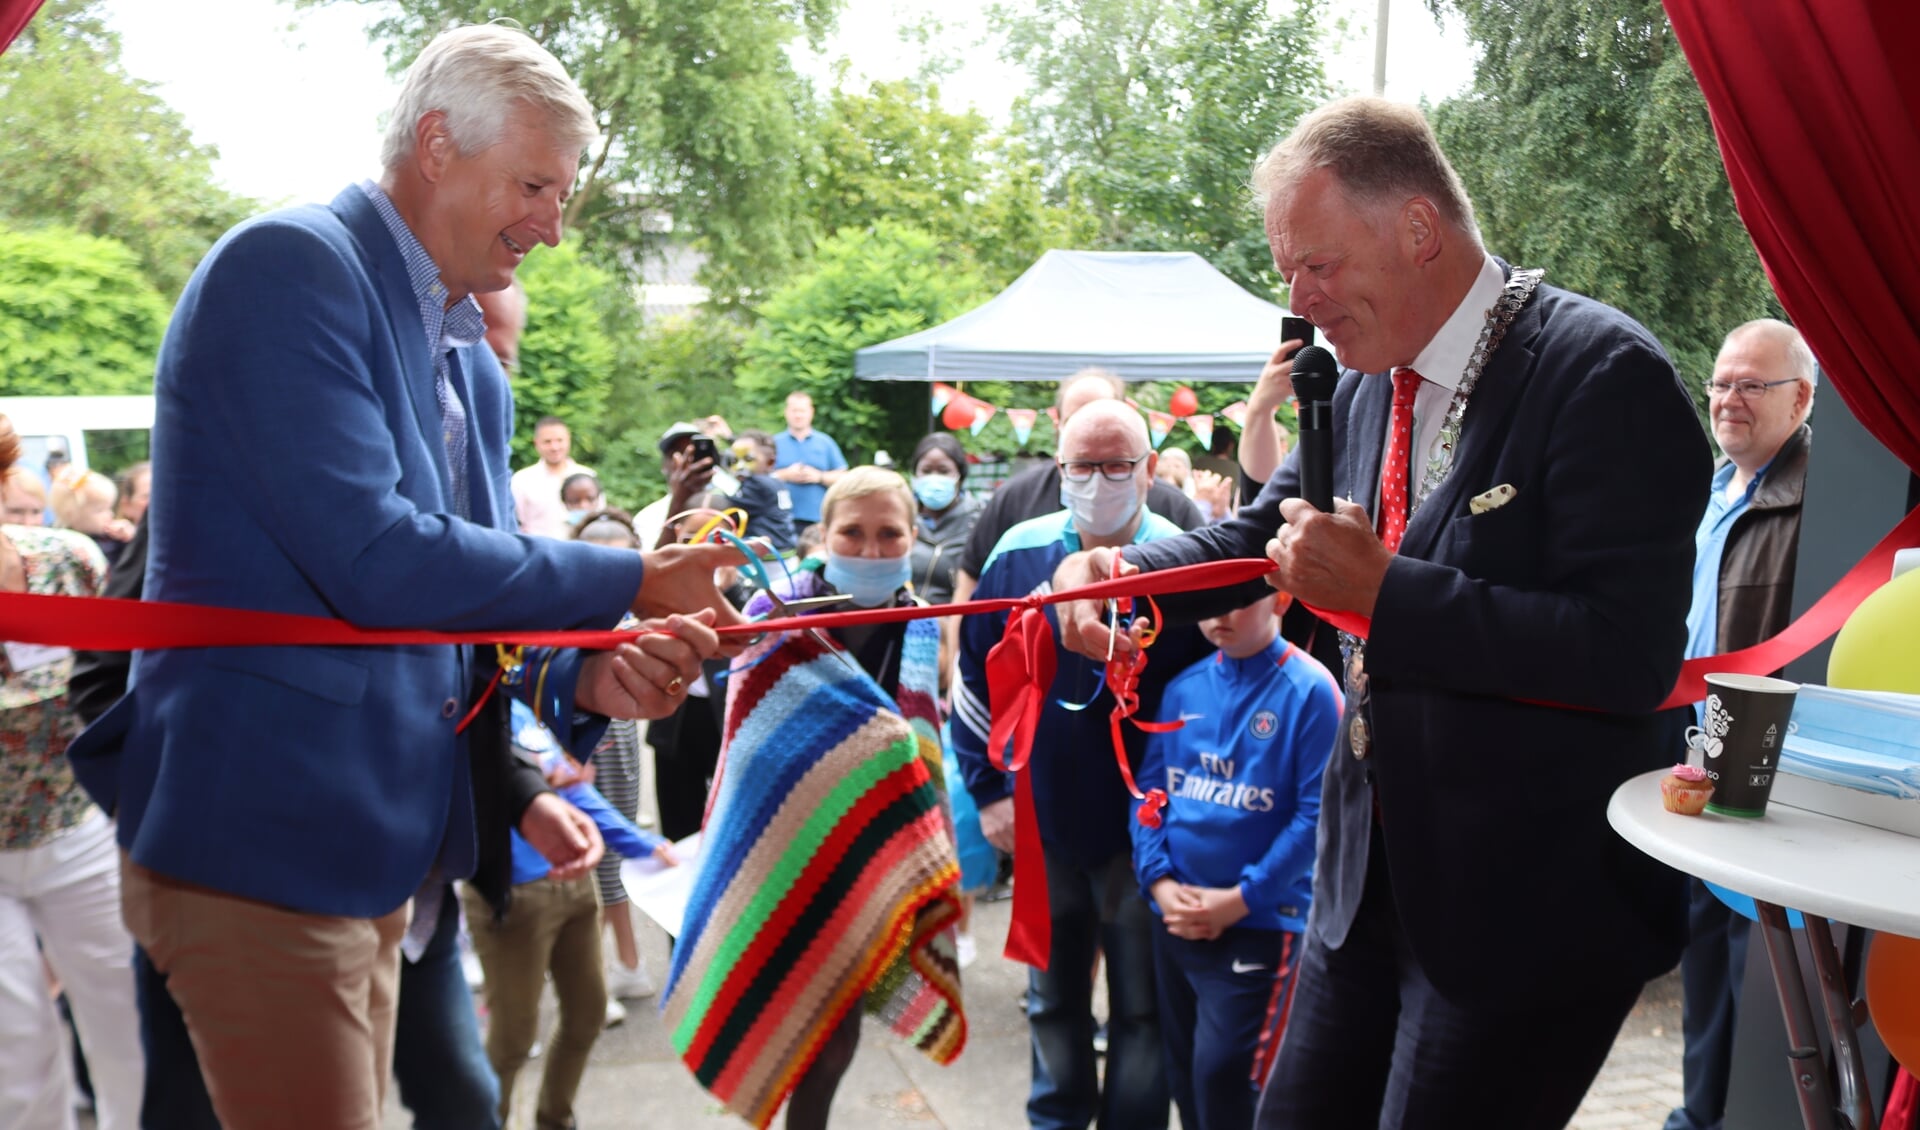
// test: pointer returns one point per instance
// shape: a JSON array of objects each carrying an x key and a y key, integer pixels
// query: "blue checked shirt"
[{"x": 447, "y": 330}]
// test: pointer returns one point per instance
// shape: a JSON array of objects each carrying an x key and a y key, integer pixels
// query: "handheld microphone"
[{"x": 1315, "y": 374}]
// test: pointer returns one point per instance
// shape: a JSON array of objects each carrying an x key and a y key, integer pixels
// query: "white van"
[{"x": 95, "y": 432}]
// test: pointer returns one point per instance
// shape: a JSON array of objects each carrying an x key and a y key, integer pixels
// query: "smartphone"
[
  {"x": 1296, "y": 329},
  {"x": 703, "y": 447}
]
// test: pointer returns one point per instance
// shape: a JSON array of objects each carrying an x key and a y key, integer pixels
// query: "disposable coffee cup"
[{"x": 1739, "y": 742}]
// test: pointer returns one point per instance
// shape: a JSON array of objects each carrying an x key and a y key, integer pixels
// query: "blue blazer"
[
  {"x": 299, "y": 466},
  {"x": 1510, "y": 884}
]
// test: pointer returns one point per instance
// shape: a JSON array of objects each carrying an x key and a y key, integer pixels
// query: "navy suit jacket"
[
  {"x": 1510, "y": 884},
  {"x": 299, "y": 466}
]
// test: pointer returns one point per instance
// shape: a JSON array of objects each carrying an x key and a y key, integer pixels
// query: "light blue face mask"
[
  {"x": 575, "y": 517},
  {"x": 936, "y": 492},
  {"x": 1868, "y": 740},
  {"x": 870, "y": 581}
]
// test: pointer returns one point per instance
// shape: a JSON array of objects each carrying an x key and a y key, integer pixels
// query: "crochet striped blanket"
[{"x": 827, "y": 874}]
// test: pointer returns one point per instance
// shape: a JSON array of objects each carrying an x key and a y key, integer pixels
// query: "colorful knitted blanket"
[{"x": 827, "y": 874}]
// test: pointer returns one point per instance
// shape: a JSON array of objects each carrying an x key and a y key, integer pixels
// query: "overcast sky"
[{"x": 293, "y": 99}]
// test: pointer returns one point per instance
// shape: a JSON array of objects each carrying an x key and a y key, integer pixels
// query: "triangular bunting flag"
[
  {"x": 1202, "y": 425},
  {"x": 1236, "y": 414},
  {"x": 1022, "y": 420},
  {"x": 1158, "y": 425},
  {"x": 982, "y": 412},
  {"x": 941, "y": 395},
  {"x": 1054, "y": 415}
]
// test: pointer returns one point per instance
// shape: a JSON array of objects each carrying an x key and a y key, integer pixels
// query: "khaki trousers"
[
  {"x": 551, "y": 928},
  {"x": 291, "y": 1014}
]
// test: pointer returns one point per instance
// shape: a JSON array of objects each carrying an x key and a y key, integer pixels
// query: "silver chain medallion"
[{"x": 1353, "y": 650}]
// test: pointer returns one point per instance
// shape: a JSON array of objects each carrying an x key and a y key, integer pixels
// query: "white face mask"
[{"x": 1100, "y": 506}]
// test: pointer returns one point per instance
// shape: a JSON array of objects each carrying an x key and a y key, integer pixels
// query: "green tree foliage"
[
  {"x": 87, "y": 146},
  {"x": 575, "y": 314},
  {"x": 1153, "y": 113},
  {"x": 681, "y": 368},
  {"x": 892, "y": 153},
  {"x": 699, "y": 111},
  {"x": 866, "y": 286},
  {"x": 78, "y": 315},
  {"x": 1586, "y": 147}
]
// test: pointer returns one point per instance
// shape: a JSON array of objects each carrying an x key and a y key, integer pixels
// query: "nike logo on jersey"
[{"x": 1242, "y": 967}]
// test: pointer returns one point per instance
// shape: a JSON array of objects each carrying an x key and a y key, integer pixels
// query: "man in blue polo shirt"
[
  {"x": 1106, "y": 468},
  {"x": 807, "y": 461},
  {"x": 1744, "y": 552}
]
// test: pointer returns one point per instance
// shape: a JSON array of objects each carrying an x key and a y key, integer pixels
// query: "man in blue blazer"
[
  {"x": 1478, "y": 932},
  {"x": 331, "y": 439}
]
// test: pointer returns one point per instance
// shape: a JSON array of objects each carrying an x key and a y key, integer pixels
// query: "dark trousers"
[
  {"x": 1711, "y": 972},
  {"x": 1096, "y": 909},
  {"x": 442, "y": 1070},
  {"x": 1222, "y": 1004},
  {"x": 686, "y": 747},
  {"x": 1371, "y": 1045}
]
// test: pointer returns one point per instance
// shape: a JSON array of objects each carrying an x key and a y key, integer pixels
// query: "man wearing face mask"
[{"x": 1106, "y": 468}]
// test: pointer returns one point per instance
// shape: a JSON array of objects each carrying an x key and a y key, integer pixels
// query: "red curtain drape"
[
  {"x": 14, "y": 15},
  {"x": 1815, "y": 104}
]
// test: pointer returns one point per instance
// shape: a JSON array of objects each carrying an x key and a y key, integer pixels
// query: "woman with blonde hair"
[{"x": 826, "y": 836}]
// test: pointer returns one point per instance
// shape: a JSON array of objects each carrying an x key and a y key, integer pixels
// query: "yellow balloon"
[
  {"x": 1879, "y": 647},
  {"x": 1893, "y": 995}
]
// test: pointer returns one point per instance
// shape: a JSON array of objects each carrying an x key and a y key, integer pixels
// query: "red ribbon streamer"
[
  {"x": 1019, "y": 673},
  {"x": 1815, "y": 625},
  {"x": 1019, "y": 669}
]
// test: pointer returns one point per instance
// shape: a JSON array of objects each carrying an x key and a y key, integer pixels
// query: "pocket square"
[{"x": 1492, "y": 500}]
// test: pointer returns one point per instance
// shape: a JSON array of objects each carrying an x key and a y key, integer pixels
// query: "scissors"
[{"x": 755, "y": 570}]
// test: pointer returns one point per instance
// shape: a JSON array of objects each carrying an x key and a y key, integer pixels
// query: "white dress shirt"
[{"x": 1441, "y": 365}]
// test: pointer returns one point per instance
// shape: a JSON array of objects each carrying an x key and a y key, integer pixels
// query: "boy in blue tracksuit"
[{"x": 1230, "y": 868}]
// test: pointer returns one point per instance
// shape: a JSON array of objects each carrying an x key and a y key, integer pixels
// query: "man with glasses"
[
  {"x": 1757, "y": 401},
  {"x": 1106, "y": 467}
]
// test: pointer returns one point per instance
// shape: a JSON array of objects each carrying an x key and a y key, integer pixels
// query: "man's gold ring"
[{"x": 679, "y": 684}]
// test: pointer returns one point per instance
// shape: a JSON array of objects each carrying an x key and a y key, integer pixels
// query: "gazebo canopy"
[{"x": 1147, "y": 316}]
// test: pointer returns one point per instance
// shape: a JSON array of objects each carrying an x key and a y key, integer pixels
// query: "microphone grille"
[
  {"x": 1315, "y": 373},
  {"x": 1314, "y": 359}
]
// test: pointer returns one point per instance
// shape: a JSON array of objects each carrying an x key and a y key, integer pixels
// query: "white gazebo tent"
[{"x": 1148, "y": 316}]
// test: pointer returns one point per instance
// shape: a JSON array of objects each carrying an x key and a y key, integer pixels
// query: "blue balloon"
[{"x": 1743, "y": 906}]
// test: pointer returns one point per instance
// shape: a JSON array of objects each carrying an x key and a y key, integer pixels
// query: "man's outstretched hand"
[
  {"x": 1083, "y": 623},
  {"x": 649, "y": 677},
  {"x": 679, "y": 579}
]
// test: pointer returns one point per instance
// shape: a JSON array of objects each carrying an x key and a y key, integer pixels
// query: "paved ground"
[{"x": 635, "y": 1082}]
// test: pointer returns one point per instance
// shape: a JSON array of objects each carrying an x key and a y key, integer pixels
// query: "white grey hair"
[
  {"x": 1381, "y": 152},
  {"x": 478, "y": 76},
  {"x": 1800, "y": 363}
]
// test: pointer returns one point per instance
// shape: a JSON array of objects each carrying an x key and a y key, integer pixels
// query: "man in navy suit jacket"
[
  {"x": 1478, "y": 932},
  {"x": 331, "y": 439}
]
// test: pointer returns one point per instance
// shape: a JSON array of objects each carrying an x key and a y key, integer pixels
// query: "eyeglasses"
[
  {"x": 1748, "y": 390},
  {"x": 1115, "y": 470}
]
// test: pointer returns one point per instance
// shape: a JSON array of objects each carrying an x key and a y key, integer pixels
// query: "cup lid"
[{"x": 1761, "y": 683}]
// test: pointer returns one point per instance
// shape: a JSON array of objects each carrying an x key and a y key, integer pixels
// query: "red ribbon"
[
  {"x": 1019, "y": 669},
  {"x": 1815, "y": 625},
  {"x": 1019, "y": 673}
]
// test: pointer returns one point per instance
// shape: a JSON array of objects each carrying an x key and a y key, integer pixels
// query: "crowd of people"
[{"x": 250, "y": 873}]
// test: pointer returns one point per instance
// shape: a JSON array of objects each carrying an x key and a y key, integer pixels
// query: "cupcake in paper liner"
[{"x": 1686, "y": 789}]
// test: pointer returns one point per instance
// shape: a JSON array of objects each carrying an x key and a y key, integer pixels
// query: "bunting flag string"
[
  {"x": 1022, "y": 420},
  {"x": 958, "y": 410},
  {"x": 1159, "y": 426}
]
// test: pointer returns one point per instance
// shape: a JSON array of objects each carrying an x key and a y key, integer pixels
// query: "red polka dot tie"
[{"x": 1394, "y": 477}]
